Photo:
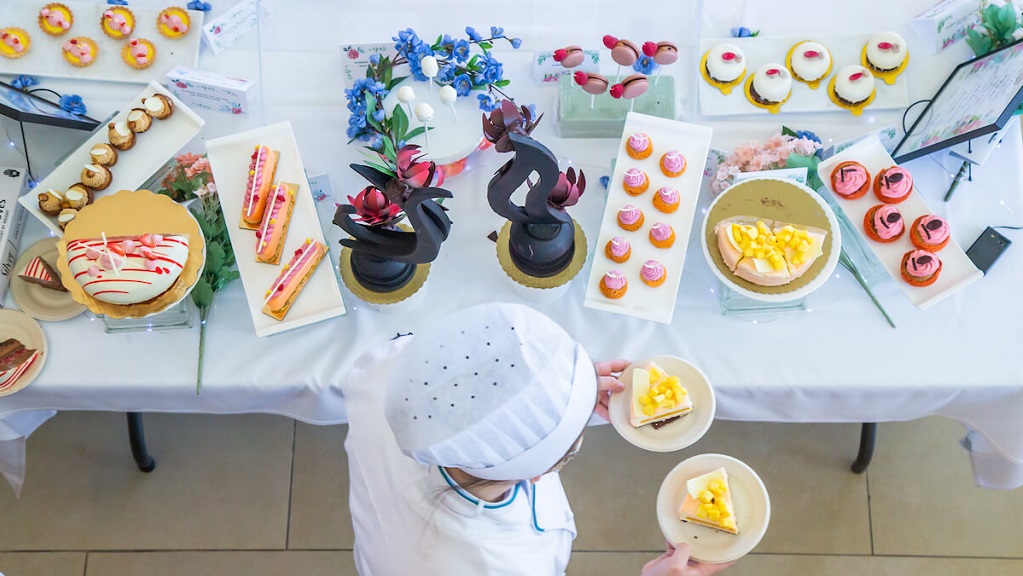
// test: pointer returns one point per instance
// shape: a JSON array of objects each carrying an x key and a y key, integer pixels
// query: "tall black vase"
[
  {"x": 380, "y": 274},
  {"x": 541, "y": 250}
]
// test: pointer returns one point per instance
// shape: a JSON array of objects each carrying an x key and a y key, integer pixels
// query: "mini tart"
[
  {"x": 850, "y": 180},
  {"x": 929, "y": 232},
  {"x": 884, "y": 223},
  {"x": 118, "y": 22},
  {"x": 56, "y": 19},
  {"x": 918, "y": 267},
  {"x": 635, "y": 181},
  {"x": 96, "y": 177},
  {"x": 673, "y": 163},
  {"x": 120, "y": 136},
  {"x": 173, "y": 22},
  {"x": 653, "y": 273},
  {"x": 103, "y": 154},
  {"x": 139, "y": 53},
  {"x": 158, "y": 106},
  {"x": 613, "y": 285},
  {"x": 667, "y": 199},
  {"x": 50, "y": 202},
  {"x": 14, "y": 42},
  {"x": 80, "y": 51},
  {"x": 138, "y": 121},
  {"x": 662, "y": 235},
  {"x": 618, "y": 249},
  {"x": 630, "y": 218},
  {"x": 893, "y": 185},
  {"x": 639, "y": 146}
]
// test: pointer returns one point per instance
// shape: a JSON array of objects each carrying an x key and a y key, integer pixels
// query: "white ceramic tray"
[
  {"x": 845, "y": 50},
  {"x": 229, "y": 159},
  {"x": 153, "y": 148},
  {"x": 752, "y": 509},
  {"x": 957, "y": 270},
  {"x": 642, "y": 301},
  {"x": 46, "y": 59}
]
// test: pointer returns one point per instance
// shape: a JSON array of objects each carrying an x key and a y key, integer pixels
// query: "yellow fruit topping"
[
  {"x": 665, "y": 392},
  {"x": 706, "y": 496}
]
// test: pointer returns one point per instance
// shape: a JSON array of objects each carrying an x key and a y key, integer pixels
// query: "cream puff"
[
  {"x": 96, "y": 177},
  {"x": 138, "y": 120},
  {"x": 120, "y": 136},
  {"x": 158, "y": 106},
  {"x": 103, "y": 154}
]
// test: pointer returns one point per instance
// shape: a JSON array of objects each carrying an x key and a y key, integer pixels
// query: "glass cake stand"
[{"x": 175, "y": 317}]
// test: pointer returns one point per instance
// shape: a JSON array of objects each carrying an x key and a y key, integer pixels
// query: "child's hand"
[
  {"x": 676, "y": 562},
  {"x": 608, "y": 383}
]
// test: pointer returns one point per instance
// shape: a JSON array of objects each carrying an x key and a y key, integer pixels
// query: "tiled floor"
[{"x": 262, "y": 495}]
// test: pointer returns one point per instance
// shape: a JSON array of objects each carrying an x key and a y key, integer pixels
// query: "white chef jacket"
[{"x": 411, "y": 518}]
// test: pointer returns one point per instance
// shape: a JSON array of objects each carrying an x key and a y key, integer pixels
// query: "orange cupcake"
[
  {"x": 613, "y": 285},
  {"x": 635, "y": 181},
  {"x": 884, "y": 223},
  {"x": 630, "y": 218},
  {"x": 893, "y": 185},
  {"x": 55, "y": 19},
  {"x": 667, "y": 199},
  {"x": 920, "y": 267},
  {"x": 639, "y": 146},
  {"x": 850, "y": 180},
  {"x": 618, "y": 249},
  {"x": 14, "y": 42},
  {"x": 80, "y": 51},
  {"x": 673, "y": 163},
  {"x": 118, "y": 22},
  {"x": 662, "y": 235},
  {"x": 653, "y": 273},
  {"x": 929, "y": 232},
  {"x": 139, "y": 53}
]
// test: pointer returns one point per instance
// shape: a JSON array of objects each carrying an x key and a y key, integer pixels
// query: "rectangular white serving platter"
[
  {"x": 152, "y": 149},
  {"x": 957, "y": 270},
  {"x": 229, "y": 157},
  {"x": 640, "y": 300},
  {"x": 759, "y": 50},
  {"x": 45, "y": 57}
]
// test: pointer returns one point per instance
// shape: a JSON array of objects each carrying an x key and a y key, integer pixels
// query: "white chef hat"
[{"x": 498, "y": 390}]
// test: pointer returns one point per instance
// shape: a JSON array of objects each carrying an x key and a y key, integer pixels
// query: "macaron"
[
  {"x": 633, "y": 86},
  {"x": 591, "y": 83},
  {"x": 569, "y": 56},
  {"x": 667, "y": 53},
  {"x": 625, "y": 53}
]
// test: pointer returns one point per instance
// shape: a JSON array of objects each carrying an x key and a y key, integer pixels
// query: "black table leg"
[
  {"x": 137, "y": 437},
  {"x": 868, "y": 436}
]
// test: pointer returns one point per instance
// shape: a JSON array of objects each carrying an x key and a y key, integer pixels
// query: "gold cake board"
[
  {"x": 380, "y": 298},
  {"x": 559, "y": 279}
]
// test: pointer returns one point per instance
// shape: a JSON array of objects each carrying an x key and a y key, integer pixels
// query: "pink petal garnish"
[
  {"x": 812, "y": 54},
  {"x": 773, "y": 72},
  {"x": 856, "y": 77},
  {"x": 728, "y": 56}
]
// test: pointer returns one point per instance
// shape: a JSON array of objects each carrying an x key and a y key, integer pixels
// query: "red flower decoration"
[
  {"x": 374, "y": 208},
  {"x": 568, "y": 189},
  {"x": 413, "y": 173}
]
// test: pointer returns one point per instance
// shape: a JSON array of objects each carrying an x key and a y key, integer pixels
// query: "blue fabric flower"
[
  {"x": 377, "y": 143},
  {"x": 494, "y": 72},
  {"x": 460, "y": 50},
  {"x": 605, "y": 181},
  {"x": 743, "y": 32},
  {"x": 462, "y": 85},
  {"x": 645, "y": 65},
  {"x": 379, "y": 115},
  {"x": 199, "y": 5},
  {"x": 516, "y": 43},
  {"x": 401, "y": 143},
  {"x": 808, "y": 135},
  {"x": 352, "y": 132},
  {"x": 496, "y": 32},
  {"x": 72, "y": 103},
  {"x": 487, "y": 103},
  {"x": 473, "y": 34},
  {"x": 446, "y": 75},
  {"x": 24, "y": 81},
  {"x": 117, "y": 2},
  {"x": 374, "y": 59}
]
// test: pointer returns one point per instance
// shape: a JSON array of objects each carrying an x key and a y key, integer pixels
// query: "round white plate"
[
  {"x": 36, "y": 301},
  {"x": 14, "y": 324},
  {"x": 678, "y": 434},
  {"x": 749, "y": 496}
]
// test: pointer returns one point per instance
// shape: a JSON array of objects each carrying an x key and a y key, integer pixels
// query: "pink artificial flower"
[
  {"x": 414, "y": 173},
  {"x": 568, "y": 189},
  {"x": 187, "y": 159},
  {"x": 805, "y": 147},
  {"x": 198, "y": 167},
  {"x": 374, "y": 208}
]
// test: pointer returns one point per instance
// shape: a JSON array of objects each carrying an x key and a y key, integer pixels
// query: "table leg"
[
  {"x": 137, "y": 437},
  {"x": 868, "y": 436}
]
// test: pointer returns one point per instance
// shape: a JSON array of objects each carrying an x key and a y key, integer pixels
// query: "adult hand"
[
  {"x": 676, "y": 562},
  {"x": 608, "y": 383}
]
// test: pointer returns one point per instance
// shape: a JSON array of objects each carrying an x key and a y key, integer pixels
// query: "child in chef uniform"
[{"x": 455, "y": 438}]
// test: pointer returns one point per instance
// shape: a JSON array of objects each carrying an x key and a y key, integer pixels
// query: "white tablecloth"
[{"x": 838, "y": 361}]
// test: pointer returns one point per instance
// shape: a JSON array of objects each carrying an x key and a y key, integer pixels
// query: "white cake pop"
[
  {"x": 424, "y": 112},
  {"x": 430, "y": 68},
  {"x": 448, "y": 95},
  {"x": 406, "y": 95}
]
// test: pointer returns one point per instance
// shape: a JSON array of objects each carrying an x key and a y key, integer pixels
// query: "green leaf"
[
  {"x": 486, "y": 45},
  {"x": 394, "y": 82},
  {"x": 786, "y": 131},
  {"x": 808, "y": 162},
  {"x": 399, "y": 123},
  {"x": 202, "y": 293},
  {"x": 472, "y": 61},
  {"x": 389, "y": 150},
  {"x": 381, "y": 167},
  {"x": 214, "y": 256},
  {"x": 388, "y": 73},
  {"x": 412, "y": 134},
  {"x": 502, "y": 82}
]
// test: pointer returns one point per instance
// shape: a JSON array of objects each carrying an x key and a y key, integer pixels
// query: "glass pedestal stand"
[
  {"x": 177, "y": 316},
  {"x": 734, "y": 304},
  {"x": 582, "y": 115}
]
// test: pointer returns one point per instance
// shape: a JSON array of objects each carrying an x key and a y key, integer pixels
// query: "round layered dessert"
[
  {"x": 893, "y": 185},
  {"x": 639, "y": 146},
  {"x": 920, "y": 267},
  {"x": 850, "y": 180},
  {"x": 725, "y": 63},
  {"x": 771, "y": 84},
  {"x": 667, "y": 199},
  {"x": 662, "y": 235},
  {"x": 854, "y": 85},
  {"x": 630, "y": 218},
  {"x": 810, "y": 62},
  {"x": 14, "y": 42},
  {"x": 55, "y": 19},
  {"x": 886, "y": 52},
  {"x": 80, "y": 51},
  {"x": 127, "y": 269},
  {"x": 653, "y": 273},
  {"x": 618, "y": 249},
  {"x": 673, "y": 163},
  {"x": 929, "y": 232},
  {"x": 613, "y": 285},
  {"x": 635, "y": 181},
  {"x": 884, "y": 223}
]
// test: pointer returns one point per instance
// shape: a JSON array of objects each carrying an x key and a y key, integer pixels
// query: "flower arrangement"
[
  {"x": 189, "y": 176},
  {"x": 465, "y": 64},
  {"x": 743, "y": 32},
  {"x": 1000, "y": 26},
  {"x": 408, "y": 172},
  {"x": 787, "y": 149}
]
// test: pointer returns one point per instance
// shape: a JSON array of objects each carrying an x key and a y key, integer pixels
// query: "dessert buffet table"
[{"x": 837, "y": 361}]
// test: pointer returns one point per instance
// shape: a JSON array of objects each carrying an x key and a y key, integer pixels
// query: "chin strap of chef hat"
[{"x": 498, "y": 390}]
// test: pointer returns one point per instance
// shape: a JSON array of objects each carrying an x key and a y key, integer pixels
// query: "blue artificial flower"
[
  {"x": 494, "y": 72},
  {"x": 199, "y": 5},
  {"x": 24, "y": 81},
  {"x": 605, "y": 181},
  {"x": 401, "y": 143},
  {"x": 473, "y": 34},
  {"x": 645, "y": 65},
  {"x": 532, "y": 109},
  {"x": 462, "y": 85},
  {"x": 446, "y": 74},
  {"x": 743, "y": 32},
  {"x": 487, "y": 104},
  {"x": 374, "y": 59},
  {"x": 516, "y": 43},
  {"x": 460, "y": 50},
  {"x": 117, "y": 2},
  {"x": 352, "y": 132},
  {"x": 808, "y": 135},
  {"x": 73, "y": 104},
  {"x": 357, "y": 120},
  {"x": 377, "y": 143},
  {"x": 496, "y": 32},
  {"x": 379, "y": 115}
]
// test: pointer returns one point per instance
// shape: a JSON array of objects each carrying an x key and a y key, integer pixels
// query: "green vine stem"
[
  {"x": 846, "y": 262},
  {"x": 203, "y": 313}
]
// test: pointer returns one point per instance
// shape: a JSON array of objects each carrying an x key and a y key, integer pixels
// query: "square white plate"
[{"x": 229, "y": 159}]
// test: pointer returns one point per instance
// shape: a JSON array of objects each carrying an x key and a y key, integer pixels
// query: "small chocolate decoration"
[
  {"x": 893, "y": 217},
  {"x": 662, "y": 423}
]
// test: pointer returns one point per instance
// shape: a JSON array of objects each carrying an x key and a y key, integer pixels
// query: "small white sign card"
[
  {"x": 356, "y": 58},
  {"x": 946, "y": 23},
  {"x": 222, "y": 32}
]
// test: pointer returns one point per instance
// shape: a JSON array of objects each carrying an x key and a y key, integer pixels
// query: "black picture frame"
[
  {"x": 27, "y": 107},
  {"x": 979, "y": 97}
]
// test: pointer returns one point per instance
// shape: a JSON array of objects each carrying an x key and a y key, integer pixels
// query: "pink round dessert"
[
  {"x": 625, "y": 53},
  {"x": 673, "y": 163},
  {"x": 630, "y": 218},
  {"x": 614, "y": 284},
  {"x": 590, "y": 82},
  {"x": 930, "y": 232},
  {"x": 639, "y": 146},
  {"x": 653, "y": 273},
  {"x": 884, "y": 223},
  {"x": 618, "y": 249},
  {"x": 667, "y": 199},
  {"x": 850, "y": 180},
  {"x": 633, "y": 86},
  {"x": 635, "y": 181},
  {"x": 662, "y": 235},
  {"x": 893, "y": 185}
]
